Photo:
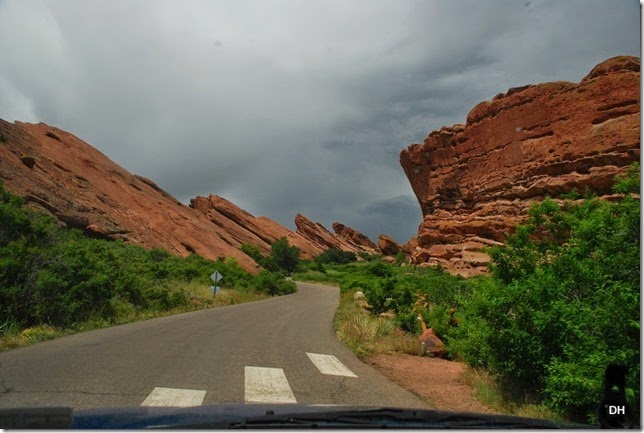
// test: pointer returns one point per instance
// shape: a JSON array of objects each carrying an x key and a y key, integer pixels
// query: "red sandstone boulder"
[
  {"x": 388, "y": 246},
  {"x": 75, "y": 183},
  {"x": 354, "y": 237},
  {"x": 432, "y": 345},
  {"x": 69, "y": 179}
]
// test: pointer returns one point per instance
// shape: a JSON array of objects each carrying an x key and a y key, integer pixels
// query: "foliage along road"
[{"x": 281, "y": 350}]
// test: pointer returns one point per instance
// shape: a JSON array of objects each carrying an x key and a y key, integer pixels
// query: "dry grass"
[
  {"x": 14, "y": 338},
  {"x": 232, "y": 297},
  {"x": 366, "y": 334}
]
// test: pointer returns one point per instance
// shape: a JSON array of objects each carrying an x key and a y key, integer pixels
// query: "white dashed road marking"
[
  {"x": 174, "y": 397},
  {"x": 267, "y": 385},
  {"x": 329, "y": 364}
]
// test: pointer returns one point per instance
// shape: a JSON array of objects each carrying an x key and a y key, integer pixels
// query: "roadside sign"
[
  {"x": 216, "y": 276},
  {"x": 215, "y": 289}
]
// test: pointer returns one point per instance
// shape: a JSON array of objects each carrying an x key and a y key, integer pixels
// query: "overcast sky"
[{"x": 289, "y": 106}]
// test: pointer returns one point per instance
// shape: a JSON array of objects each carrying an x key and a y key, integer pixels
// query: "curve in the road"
[{"x": 280, "y": 349}]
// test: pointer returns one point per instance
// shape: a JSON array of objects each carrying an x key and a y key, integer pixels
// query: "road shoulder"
[{"x": 438, "y": 381}]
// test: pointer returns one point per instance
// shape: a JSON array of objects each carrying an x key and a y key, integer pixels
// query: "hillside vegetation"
[
  {"x": 562, "y": 303},
  {"x": 58, "y": 278}
]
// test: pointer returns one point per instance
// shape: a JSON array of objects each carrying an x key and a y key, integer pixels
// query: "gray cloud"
[{"x": 288, "y": 106}]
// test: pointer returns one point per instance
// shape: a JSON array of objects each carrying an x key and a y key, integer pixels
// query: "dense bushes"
[
  {"x": 334, "y": 255},
  {"x": 275, "y": 284},
  {"x": 60, "y": 277},
  {"x": 564, "y": 303},
  {"x": 283, "y": 258},
  {"x": 399, "y": 289}
]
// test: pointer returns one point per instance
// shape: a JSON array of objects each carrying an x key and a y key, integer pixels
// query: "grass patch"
[
  {"x": 366, "y": 334},
  {"x": 330, "y": 277},
  {"x": 489, "y": 392},
  {"x": 232, "y": 297}
]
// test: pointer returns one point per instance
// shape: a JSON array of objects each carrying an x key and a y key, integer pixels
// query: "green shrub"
[
  {"x": 380, "y": 269},
  {"x": 334, "y": 255},
  {"x": 252, "y": 251},
  {"x": 564, "y": 303},
  {"x": 283, "y": 258},
  {"x": 274, "y": 283},
  {"x": 60, "y": 277},
  {"x": 369, "y": 257}
]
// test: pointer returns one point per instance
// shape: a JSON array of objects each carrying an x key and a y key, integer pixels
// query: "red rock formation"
[
  {"x": 431, "y": 344},
  {"x": 388, "y": 246},
  {"x": 355, "y": 237},
  {"x": 56, "y": 171},
  {"x": 259, "y": 231},
  {"x": 317, "y": 234},
  {"x": 474, "y": 182}
]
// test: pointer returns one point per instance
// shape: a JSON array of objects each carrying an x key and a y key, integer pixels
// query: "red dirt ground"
[{"x": 438, "y": 381}]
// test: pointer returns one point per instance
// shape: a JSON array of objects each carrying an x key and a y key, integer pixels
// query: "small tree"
[
  {"x": 334, "y": 255},
  {"x": 285, "y": 256}
]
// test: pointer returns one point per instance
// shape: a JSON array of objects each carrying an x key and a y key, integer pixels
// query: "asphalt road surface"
[{"x": 278, "y": 350}]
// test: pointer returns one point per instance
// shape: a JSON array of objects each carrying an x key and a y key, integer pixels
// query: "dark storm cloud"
[
  {"x": 288, "y": 106},
  {"x": 392, "y": 216}
]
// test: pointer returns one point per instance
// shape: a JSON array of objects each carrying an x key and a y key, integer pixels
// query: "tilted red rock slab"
[
  {"x": 57, "y": 172},
  {"x": 258, "y": 231},
  {"x": 85, "y": 189},
  {"x": 319, "y": 236}
]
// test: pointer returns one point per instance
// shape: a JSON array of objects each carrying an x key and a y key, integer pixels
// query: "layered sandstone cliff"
[
  {"x": 475, "y": 181},
  {"x": 318, "y": 235},
  {"x": 259, "y": 231},
  {"x": 56, "y": 171},
  {"x": 354, "y": 237}
]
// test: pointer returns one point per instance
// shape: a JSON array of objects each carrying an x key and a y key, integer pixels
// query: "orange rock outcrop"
[
  {"x": 259, "y": 231},
  {"x": 58, "y": 172},
  {"x": 355, "y": 237},
  {"x": 318, "y": 235},
  {"x": 475, "y": 181}
]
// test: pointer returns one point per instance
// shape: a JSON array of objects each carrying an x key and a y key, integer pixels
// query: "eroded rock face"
[
  {"x": 474, "y": 182},
  {"x": 317, "y": 234},
  {"x": 259, "y": 231},
  {"x": 388, "y": 246},
  {"x": 355, "y": 237},
  {"x": 56, "y": 171},
  {"x": 69, "y": 179}
]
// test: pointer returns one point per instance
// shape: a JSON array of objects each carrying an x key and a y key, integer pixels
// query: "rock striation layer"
[
  {"x": 475, "y": 181},
  {"x": 319, "y": 236},
  {"x": 259, "y": 231},
  {"x": 56, "y": 171},
  {"x": 354, "y": 237}
]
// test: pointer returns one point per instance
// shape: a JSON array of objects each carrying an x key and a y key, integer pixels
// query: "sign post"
[{"x": 216, "y": 277}]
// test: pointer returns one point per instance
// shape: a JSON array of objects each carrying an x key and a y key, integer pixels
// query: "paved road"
[{"x": 276, "y": 350}]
